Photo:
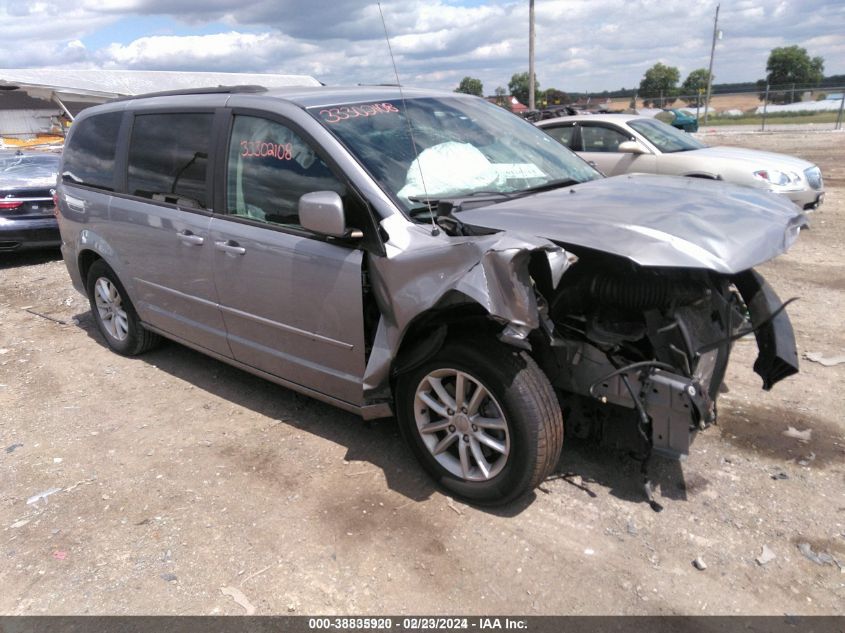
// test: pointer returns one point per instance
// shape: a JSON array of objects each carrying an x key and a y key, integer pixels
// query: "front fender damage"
[{"x": 491, "y": 271}]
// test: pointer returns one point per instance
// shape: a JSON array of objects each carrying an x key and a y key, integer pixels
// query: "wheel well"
[
  {"x": 427, "y": 333},
  {"x": 86, "y": 259}
]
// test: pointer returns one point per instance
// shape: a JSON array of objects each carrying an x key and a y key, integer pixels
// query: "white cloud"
[
  {"x": 581, "y": 44},
  {"x": 241, "y": 51},
  {"x": 499, "y": 50}
]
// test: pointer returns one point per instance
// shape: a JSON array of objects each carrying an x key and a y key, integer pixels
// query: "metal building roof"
[{"x": 97, "y": 86}]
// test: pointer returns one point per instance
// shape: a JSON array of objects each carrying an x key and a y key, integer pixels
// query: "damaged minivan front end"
[
  {"x": 427, "y": 256},
  {"x": 645, "y": 321},
  {"x": 627, "y": 292},
  {"x": 636, "y": 351}
]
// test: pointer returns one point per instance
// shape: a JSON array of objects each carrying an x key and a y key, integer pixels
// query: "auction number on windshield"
[{"x": 343, "y": 113}]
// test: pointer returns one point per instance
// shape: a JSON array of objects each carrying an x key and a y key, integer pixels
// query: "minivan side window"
[
  {"x": 270, "y": 167},
  {"x": 89, "y": 156},
  {"x": 168, "y": 158}
]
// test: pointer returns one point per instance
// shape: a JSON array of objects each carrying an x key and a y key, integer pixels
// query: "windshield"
[
  {"x": 464, "y": 146},
  {"x": 665, "y": 137}
]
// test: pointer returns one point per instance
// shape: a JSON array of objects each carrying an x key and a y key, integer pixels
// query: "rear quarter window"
[
  {"x": 168, "y": 157},
  {"x": 89, "y": 154}
]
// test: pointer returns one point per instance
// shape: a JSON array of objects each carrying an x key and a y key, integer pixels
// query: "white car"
[{"x": 628, "y": 143}]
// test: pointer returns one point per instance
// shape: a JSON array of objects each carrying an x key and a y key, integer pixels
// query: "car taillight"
[
  {"x": 10, "y": 204},
  {"x": 55, "y": 203}
]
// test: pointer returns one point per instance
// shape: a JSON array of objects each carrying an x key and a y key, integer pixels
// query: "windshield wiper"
[
  {"x": 418, "y": 211},
  {"x": 433, "y": 202},
  {"x": 552, "y": 184},
  {"x": 455, "y": 203},
  {"x": 449, "y": 204}
]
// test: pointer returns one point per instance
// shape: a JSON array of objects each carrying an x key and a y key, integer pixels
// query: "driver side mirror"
[
  {"x": 322, "y": 212},
  {"x": 631, "y": 147}
]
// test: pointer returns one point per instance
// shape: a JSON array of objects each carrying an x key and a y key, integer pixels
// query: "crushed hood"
[{"x": 655, "y": 220}]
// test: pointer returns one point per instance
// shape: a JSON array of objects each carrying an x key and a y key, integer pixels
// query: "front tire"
[
  {"x": 114, "y": 313},
  {"x": 482, "y": 419}
]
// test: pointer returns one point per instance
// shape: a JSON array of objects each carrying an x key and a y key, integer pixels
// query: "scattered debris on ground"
[
  {"x": 238, "y": 596},
  {"x": 827, "y": 361},
  {"x": 766, "y": 556}
]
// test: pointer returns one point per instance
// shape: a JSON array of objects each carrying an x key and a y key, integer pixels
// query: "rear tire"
[
  {"x": 498, "y": 441},
  {"x": 114, "y": 313}
]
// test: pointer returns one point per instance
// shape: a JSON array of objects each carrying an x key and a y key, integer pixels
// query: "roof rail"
[{"x": 198, "y": 91}]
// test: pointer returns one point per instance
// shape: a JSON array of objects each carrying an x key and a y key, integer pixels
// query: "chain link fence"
[{"x": 763, "y": 107}]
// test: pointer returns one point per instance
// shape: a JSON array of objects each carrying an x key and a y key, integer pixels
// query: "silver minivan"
[{"x": 427, "y": 256}]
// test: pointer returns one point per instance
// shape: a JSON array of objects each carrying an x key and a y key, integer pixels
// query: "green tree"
[
  {"x": 501, "y": 97},
  {"x": 694, "y": 86},
  {"x": 554, "y": 96},
  {"x": 518, "y": 85},
  {"x": 790, "y": 66},
  {"x": 471, "y": 86},
  {"x": 660, "y": 83}
]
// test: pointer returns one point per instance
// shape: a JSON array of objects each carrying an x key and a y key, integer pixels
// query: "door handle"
[
  {"x": 230, "y": 246},
  {"x": 75, "y": 204},
  {"x": 187, "y": 237}
]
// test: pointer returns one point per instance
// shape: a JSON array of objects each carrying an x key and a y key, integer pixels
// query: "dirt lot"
[{"x": 175, "y": 478}]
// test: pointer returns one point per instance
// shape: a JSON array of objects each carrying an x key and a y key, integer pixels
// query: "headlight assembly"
[{"x": 777, "y": 178}]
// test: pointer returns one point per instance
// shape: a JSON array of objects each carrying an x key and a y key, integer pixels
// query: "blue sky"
[
  {"x": 582, "y": 45},
  {"x": 128, "y": 28}
]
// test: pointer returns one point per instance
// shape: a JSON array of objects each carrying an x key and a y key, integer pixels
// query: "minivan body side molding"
[
  {"x": 313, "y": 336},
  {"x": 173, "y": 291}
]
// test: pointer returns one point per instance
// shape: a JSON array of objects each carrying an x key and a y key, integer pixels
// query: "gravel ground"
[{"x": 174, "y": 484}]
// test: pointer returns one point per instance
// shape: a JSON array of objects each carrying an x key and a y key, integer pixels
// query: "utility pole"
[
  {"x": 710, "y": 70},
  {"x": 530, "y": 54},
  {"x": 765, "y": 107}
]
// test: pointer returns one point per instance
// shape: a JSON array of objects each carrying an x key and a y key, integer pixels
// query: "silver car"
[
  {"x": 427, "y": 256},
  {"x": 623, "y": 143}
]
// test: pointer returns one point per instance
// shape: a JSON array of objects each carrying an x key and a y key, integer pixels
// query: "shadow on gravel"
[
  {"x": 377, "y": 442},
  {"x": 620, "y": 474},
  {"x": 16, "y": 259}
]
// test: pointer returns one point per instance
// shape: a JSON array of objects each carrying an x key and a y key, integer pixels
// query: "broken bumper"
[{"x": 778, "y": 358}]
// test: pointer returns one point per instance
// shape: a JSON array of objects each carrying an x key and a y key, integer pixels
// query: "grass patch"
[{"x": 797, "y": 118}]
